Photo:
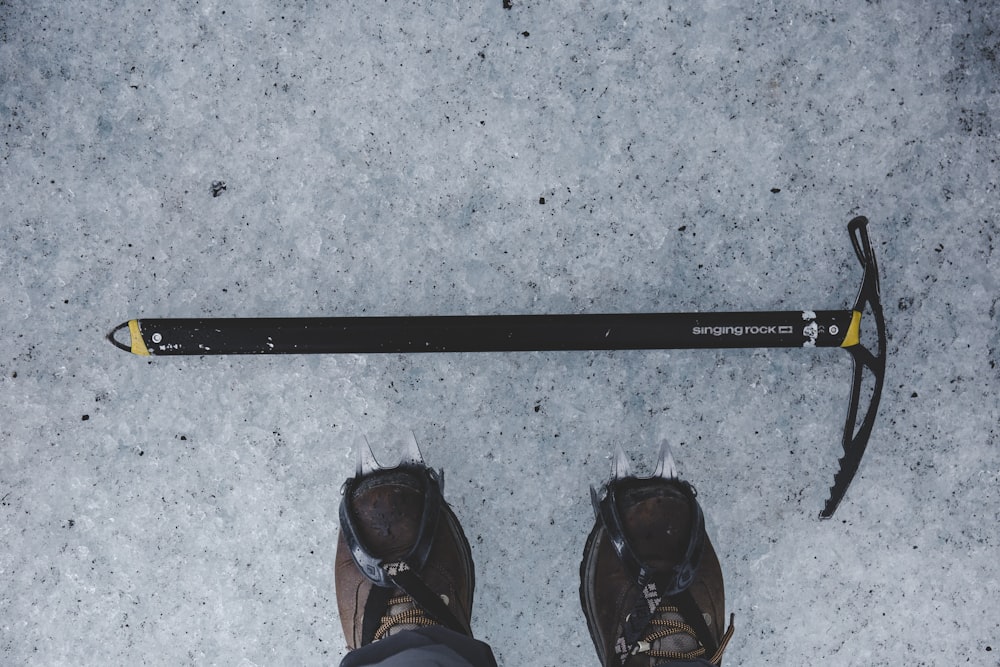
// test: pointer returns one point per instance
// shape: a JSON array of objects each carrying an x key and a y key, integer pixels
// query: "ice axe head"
[{"x": 869, "y": 369}]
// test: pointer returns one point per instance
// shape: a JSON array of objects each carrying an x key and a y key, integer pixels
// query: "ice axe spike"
[{"x": 522, "y": 333}]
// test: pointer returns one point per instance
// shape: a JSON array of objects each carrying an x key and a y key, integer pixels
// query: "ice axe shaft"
[{"x": 491, "y": 333}]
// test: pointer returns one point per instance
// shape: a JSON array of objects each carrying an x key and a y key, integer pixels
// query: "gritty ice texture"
[{"x": 463, "y": 157}]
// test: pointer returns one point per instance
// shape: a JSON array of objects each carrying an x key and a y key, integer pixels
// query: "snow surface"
[{"x": 463, "y": 158}]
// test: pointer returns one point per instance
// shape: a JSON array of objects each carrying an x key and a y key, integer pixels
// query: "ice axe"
[{"x": 520, "y": 333}]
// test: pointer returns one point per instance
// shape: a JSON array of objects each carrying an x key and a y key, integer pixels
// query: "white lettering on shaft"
[{"x": 741, "y": 330}]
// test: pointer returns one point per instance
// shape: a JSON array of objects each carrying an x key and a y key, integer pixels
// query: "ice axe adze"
[{"x": 512, "y": 333}]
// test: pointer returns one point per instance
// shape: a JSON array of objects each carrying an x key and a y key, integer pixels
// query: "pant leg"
[{"x": 423, "y": 647}]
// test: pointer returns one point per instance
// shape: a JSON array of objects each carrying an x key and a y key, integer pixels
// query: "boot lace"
[
  {"x": 668, "y": 629},
  {"x": 403, "y": 613}
]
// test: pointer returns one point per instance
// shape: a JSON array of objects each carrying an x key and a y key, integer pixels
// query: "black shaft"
[{"x": 489, "y": 333}]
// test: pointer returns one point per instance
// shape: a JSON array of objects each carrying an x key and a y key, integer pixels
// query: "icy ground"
[{"x": 463, "y": 157}]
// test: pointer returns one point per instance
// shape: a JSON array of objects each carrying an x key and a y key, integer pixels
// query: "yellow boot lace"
[
  {"x": 403, "y": 614},
  {"x": 668, "y": 623}
]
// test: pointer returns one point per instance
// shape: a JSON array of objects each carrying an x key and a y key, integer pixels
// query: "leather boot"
[
  {"x": 651, "y": 586},
  {"x": 403, "y": 560}
]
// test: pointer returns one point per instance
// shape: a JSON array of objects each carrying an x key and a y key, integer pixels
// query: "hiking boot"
[
  {"x": 402, "y": 559},
  {"x": 651, "y": 586}
]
